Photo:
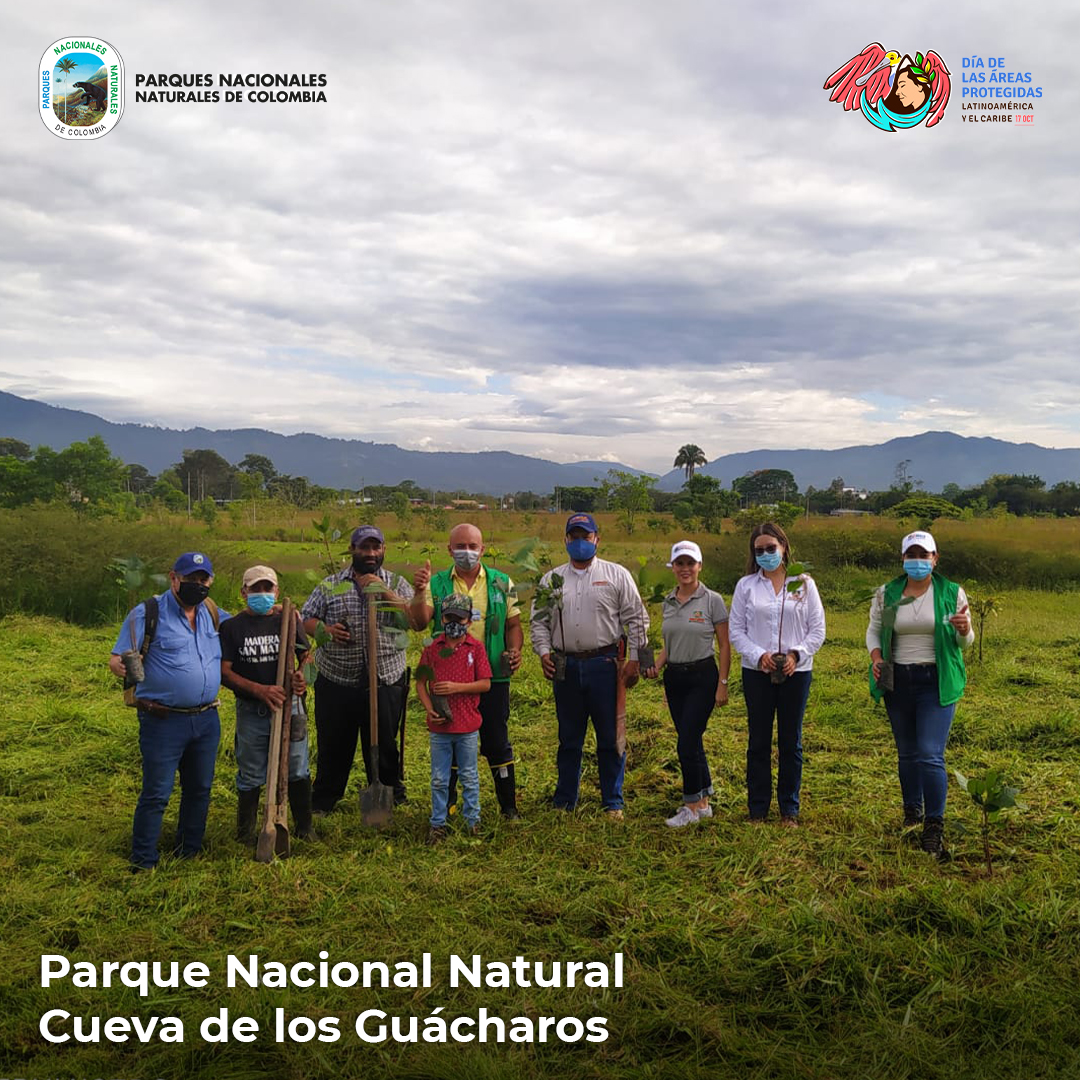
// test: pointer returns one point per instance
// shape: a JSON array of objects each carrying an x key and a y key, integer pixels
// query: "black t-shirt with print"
[{"x": 252, "y": 642}]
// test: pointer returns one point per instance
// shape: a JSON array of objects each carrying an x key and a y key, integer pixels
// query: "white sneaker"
[
  {"x": 704, "y": 811},
  {"x": 684, "y": 816}
]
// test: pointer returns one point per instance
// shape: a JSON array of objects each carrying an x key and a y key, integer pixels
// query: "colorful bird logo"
[{"x": 893, "y": 91}]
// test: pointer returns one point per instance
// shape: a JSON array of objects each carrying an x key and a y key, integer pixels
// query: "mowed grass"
[{"x": 837, "y": 950}]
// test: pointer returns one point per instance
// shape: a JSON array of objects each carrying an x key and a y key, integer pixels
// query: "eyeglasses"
[{"x": 768, "y": 549}]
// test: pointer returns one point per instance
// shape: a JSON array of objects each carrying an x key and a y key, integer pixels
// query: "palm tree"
[
  {"x": 689, "y": 458},
  {"x": 65, "y": 66}
]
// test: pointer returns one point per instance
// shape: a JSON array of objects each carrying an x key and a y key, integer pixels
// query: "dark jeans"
[
  {"x": 787, "y": 702},
  {"x": 341, "y": 714},
  {"x": 588, "y": 691},
  {"x": 184, "y": 742},
  {"x": 691, "y": 696},
  {"x": 920, "y": 725}
]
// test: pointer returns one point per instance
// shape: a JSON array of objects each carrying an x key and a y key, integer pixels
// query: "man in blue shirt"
[{"x": 179, "y": 728}]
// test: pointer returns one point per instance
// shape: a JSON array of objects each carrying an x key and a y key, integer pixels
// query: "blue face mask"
[
  {"x": 917, "y": 569},
  {"x": 261, "y": 602},
  {"x": 770, "y": 562},
  {"x": 580, "y": 550}
]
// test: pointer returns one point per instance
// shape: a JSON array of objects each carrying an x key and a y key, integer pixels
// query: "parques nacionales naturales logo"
[
  {"x": 892, "y": 91},
  {"x": 82, "y": 88}
]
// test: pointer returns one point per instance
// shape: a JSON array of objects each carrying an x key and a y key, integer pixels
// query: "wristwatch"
[{"x": 723, "y": 682}]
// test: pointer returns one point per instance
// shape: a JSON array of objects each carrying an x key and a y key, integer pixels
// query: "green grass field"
[{"x": 834, "y": 951}]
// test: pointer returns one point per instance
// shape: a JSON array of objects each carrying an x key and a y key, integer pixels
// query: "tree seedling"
[
  {"x": 547, "y": 598},
  {"x": 993, "y": 796},
  {"x": 795, "y": 570},
  {"x": 982, "y": 608},
  {"x": 886, "y": 680}
]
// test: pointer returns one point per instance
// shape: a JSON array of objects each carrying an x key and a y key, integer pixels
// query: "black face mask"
[
  {"x": 367, "y": 564},
  {"x": 192, "y": 593}
]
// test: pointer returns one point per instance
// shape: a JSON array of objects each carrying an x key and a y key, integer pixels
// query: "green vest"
[
  {"x": 498, "y": 586},
  {"x": 948, "y": 656}
]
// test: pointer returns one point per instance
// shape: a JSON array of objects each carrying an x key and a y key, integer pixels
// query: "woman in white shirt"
[
  {"x": 775, "y": 631},
  {"x": 919, "y": 627}
]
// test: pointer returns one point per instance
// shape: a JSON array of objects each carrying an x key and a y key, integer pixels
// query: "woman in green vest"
[{"x": 919, "y": 627}]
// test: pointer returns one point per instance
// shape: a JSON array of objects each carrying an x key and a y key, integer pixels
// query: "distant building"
[{"x": 851, "y": 513}]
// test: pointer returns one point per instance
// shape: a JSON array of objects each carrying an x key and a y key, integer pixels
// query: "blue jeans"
[
  {"x": 691, "y": 697},
  {"x": 252, "y": 744},
  {"x": 446, "y": 747},
  {"x": 920, "y": 725},
  {"x": 787, "y": 701},
  {"x": 184, "y": 742},
  {"x": 588, "y": 691}
]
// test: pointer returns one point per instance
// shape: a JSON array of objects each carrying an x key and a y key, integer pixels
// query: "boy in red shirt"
[{"x": 455, "y": 669}]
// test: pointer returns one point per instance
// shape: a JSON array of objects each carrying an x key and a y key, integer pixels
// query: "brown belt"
[
  {"x": 591, "y": 654},
  {"x": 155, "y": 708}
]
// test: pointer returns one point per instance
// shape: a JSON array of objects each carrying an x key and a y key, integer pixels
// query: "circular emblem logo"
[
  {"x": 82, "y": 88},
  {"x": 198, "y": 560}
]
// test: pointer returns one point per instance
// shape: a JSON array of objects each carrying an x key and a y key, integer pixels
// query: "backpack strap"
[
  {"x": 150, "y": 625},
  {"x": 215, "y": 614}
]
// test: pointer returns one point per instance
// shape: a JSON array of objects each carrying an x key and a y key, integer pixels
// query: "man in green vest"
[{"x": 496, "y": 622}]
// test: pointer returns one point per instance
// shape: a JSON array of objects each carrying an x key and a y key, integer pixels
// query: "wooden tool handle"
[{"x": 373, "y": 668}]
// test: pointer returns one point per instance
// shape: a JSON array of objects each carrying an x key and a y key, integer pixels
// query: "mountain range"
[{"x": 934, "y": 457}]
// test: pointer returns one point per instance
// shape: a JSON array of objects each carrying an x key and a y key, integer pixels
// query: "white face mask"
[{"x": 464, "y": 559}]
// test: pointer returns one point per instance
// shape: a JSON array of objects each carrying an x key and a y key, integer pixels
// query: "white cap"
[
  {"x": 259, "y": 573},
  {"x": 918, "y": 538},
  {"x": 685, "y": 547}
]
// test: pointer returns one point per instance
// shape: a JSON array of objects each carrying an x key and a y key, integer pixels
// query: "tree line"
[{"x": 87, "y": 476}]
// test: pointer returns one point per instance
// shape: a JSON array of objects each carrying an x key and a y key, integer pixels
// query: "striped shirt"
[{"x": 346, "y": 662}]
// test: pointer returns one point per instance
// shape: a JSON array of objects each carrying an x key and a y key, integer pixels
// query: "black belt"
[
  {"x": 690, "y": 665},
  {"x": 156, "y": 708},
  {"x": 922, "y": 664},
  {"x": 591, "y": 654}
]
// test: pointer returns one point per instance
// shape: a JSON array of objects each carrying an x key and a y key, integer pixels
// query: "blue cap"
[
  {"x": 582, "y": 521},
  {"x": 366, "y": 532},
  {"x": 191, "y": 562}
]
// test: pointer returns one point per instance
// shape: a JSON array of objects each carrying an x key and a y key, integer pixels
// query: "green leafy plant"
[
  {"x": 133, "y": 577},
  {"x": 328, "y": 534},
  {"x": 920, "y": 72},
  {"x": 993, "y": 796},
  {"x": 982, "y": 608}
]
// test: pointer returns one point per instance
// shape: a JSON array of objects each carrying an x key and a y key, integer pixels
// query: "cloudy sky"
[{"x": 575, "y": 230}]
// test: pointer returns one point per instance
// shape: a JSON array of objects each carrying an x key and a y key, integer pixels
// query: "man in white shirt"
[{"x": 585, "y": 606}]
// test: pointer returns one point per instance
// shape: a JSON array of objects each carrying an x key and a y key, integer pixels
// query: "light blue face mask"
[
  {"x": 917, "y": 569},
  {"x": 261, "y": 602},
  {"x": 770, "y": 562}
]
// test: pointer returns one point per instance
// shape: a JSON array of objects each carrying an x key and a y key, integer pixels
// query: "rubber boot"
[
  {"x": 247, "y": 813},
  {"x": 505, "y": 790},
  {"x": 300, "y": 805}
]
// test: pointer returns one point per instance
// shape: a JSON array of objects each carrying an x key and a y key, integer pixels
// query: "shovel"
[
  {"x": 377, "y": 799},
  {"x": 620, "y": 701},
  {"x": 274, "y": 837}
]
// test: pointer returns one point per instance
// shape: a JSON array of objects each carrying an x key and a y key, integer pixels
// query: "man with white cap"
[{"x": 250, "y": 646}]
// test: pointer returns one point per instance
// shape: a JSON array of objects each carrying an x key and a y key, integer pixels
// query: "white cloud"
[{"x": 579, "y": 231}]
